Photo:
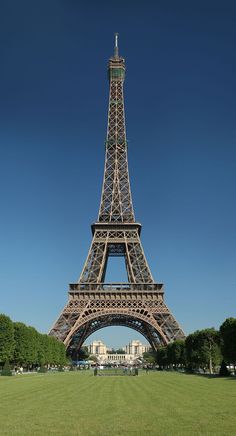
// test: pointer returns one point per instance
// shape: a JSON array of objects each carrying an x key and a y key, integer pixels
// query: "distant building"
[
  {"x": 136, "y": 348},
  {"x": 133, "y": 351},
  {"x": 97, "y": 347}
]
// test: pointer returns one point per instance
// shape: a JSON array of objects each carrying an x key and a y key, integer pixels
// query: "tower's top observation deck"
[{"x": 116, "y": 66}]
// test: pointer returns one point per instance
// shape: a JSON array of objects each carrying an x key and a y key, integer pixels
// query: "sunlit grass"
[{"x": 77, "y": 403}]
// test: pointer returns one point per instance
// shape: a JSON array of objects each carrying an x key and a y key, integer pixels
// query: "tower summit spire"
[{"x": 116, "y": 49}]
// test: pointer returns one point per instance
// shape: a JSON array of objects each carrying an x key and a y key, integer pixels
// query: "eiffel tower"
[{"x": 93, "y": 303}]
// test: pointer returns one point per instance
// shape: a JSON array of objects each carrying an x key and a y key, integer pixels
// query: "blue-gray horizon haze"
[{"x": 180, "y": 119}]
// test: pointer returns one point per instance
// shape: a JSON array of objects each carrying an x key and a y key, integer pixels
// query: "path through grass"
[{"x": 77, "y": 403}]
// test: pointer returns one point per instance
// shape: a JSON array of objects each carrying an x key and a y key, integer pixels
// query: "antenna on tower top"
[{"x": 116, "y": 49}]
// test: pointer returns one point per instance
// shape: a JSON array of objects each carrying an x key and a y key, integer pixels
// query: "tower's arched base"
[
  {"x": 102, "y": 321},
  {"x": 143, "y": 310}
]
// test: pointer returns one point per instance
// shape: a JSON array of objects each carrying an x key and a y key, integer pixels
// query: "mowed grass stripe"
[
  {"x": 198, "y": 401},
  {"x": 157, "y": 403}
]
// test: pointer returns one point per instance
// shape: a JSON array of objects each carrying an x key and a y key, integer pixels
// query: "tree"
[
  {"x": 62, "y": 359},
  {"x": 149, "y": 356},
  {"x": 23, "y": 344},
  {"x": 83, "y": 353},
  {"x": 203, "y": 349},
  {"x": 161, "y": 357},
  {"x": 228, "y": 335},
  {"x": 210, "y": 353},
  {"x": 57, "y": 351},
  {"x": 176, "y": 352},
  {"x": 34, "y": 348},
  {"x": 6, "y": 369},
  {"x": 191, "y": 347},
  {"x": 112, "y": 351},
  {"x": 26, "y": 346},
  {"x": 93, "y": 358},
  {"x": 7, "y": 342},
  {"x": 180, "y": 355},
  {"x": 224, "y": 372},
  {"x": 43, "y": 357}
]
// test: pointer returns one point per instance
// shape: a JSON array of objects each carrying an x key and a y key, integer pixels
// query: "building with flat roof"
[
  {"x": 97, "y": 348},
  {"x": 133, "y": 351},
  {"x": 136, "y": 348}
]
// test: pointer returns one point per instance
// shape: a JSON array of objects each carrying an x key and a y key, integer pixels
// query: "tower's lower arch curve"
[{"x": 93, "y": 322}]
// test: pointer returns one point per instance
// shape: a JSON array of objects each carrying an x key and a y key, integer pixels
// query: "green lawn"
[{"x": 77, "y": 403}]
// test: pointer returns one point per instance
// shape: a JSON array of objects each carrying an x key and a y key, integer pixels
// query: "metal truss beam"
[{"x": 93, "y": 303}]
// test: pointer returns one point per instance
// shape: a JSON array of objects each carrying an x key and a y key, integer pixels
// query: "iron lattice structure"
[{"x": 94, "y": 304}]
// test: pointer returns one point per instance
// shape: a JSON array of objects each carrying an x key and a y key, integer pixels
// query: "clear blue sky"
[{"x": 180, "y": 114}]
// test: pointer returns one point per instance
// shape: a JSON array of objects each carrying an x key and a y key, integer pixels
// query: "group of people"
[{"x": 19, "y": 370}]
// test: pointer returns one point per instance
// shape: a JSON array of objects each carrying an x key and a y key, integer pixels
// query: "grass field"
[{"x": 77, "y": 403}]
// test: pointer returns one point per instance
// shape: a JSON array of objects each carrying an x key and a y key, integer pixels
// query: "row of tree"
[
  {"x": 25, "y": 346},
  {"x": 203, "y": 349}
]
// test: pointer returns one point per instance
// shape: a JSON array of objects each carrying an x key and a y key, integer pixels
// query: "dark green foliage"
[
  {"x": 51, "y": 351},
  {"x": 83, "y": 353},
  {"x": 192, "y": 351},
  {"x": 200, "y": 349},
  {"x": 93, "y": 358},
  {"x": 203, "y": 349},
  {"x": 149, "y": 356},
  {"x": 224, "y": 372},
  {"x": 176, "y": 353},
  {"x": 23, "y": 345},
  {"x": 95, "y": 372},
  {"x": 34, "y": 345},
  {"x": 112, "y": 351},
  {"x": 120, "y": 351},
  {"x": 43, "y": 369},
  {"x": 7, "y": 342},
  {"x": 6, "y": 371},
  {"x": 161, "y": 357},
  {"x": 61, "y": 368},
  {"x": 44, "y": 352},
  {"x": 171, "y": 356},
  {"x": 228, "y": 335},
  {"x": 62, "y": 359}
]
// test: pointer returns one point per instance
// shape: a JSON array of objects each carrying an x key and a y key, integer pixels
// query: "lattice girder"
[
  {"x": 116, "y": 202},
  {"x": 95, "y": 266},
  {"x": 139, "y": 303},
  {"x": 147, "y": 308}
]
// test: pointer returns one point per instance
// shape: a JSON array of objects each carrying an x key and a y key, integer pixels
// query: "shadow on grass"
[{"x": 209, "y": 376}]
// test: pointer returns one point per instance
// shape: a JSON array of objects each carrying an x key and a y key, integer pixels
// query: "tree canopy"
[
  {"x": 7, "y": 340},
  {"x": 228, "y": 334},
  {"x": 23, "y": 345},
  {"x": 203, "y": 349}
]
